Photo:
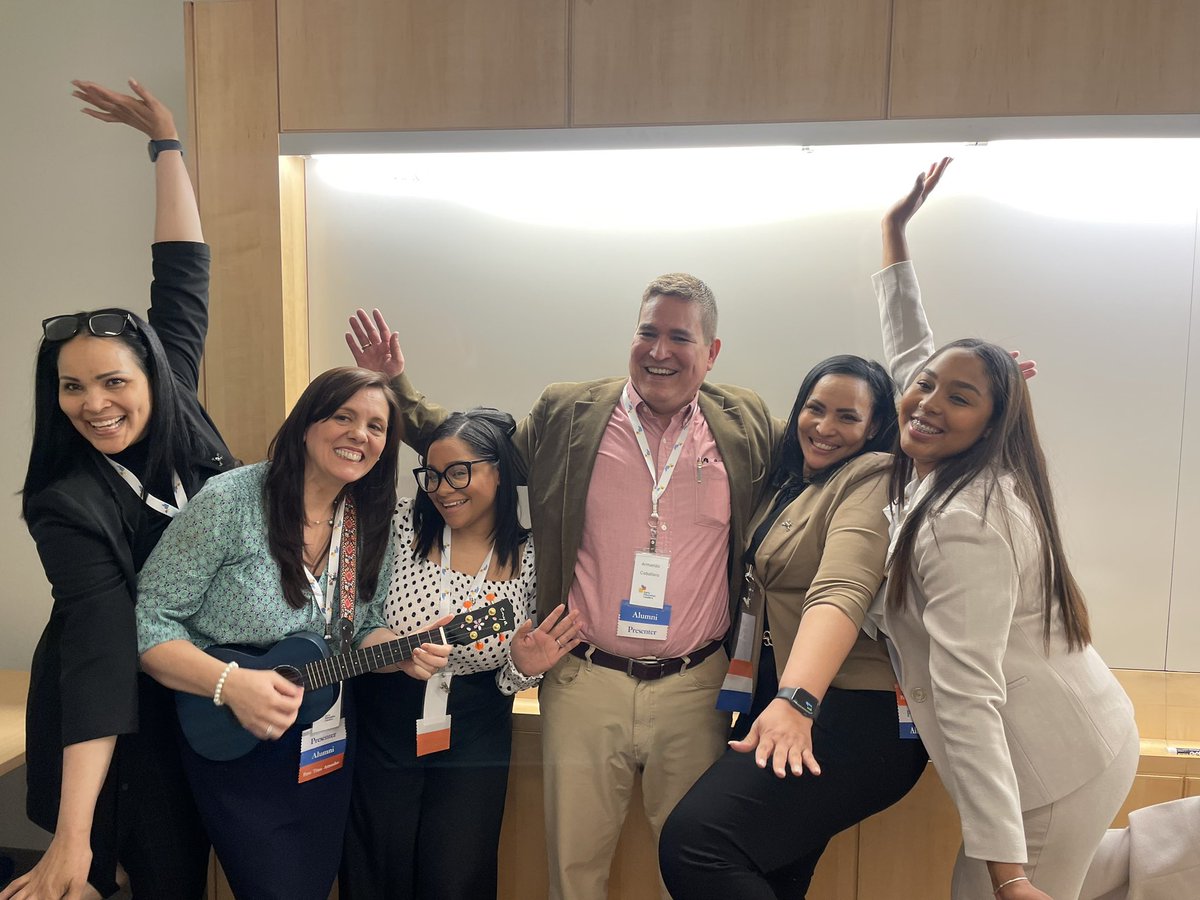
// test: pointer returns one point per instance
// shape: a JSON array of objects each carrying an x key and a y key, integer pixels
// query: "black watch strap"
[
  {"x": 803, "y": 702},
  {"x": 157, "y": 147}
]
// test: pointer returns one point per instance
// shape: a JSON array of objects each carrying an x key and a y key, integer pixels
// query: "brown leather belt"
[{"x": 646, "y": 668}]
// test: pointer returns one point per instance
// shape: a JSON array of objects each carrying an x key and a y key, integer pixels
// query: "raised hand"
[
  {"x": 374, "y": 345},
  {"x": 536, "y": 650},
  {"x": 145, "y": 112},
  {"x": 1028, "y": 367},
  {"x": 782, "y": 737},
  {"x": 904, "y": 208}
]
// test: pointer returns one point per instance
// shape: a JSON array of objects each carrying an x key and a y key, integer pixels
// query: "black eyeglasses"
[
  {"x": 457, "y": 474},
  {"x": 101, "y": 324}
]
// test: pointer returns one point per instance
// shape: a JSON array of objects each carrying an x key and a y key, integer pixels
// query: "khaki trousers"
[{"x": 600, "y": 728}]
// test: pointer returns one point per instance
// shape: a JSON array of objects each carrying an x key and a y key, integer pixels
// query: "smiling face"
[
  {"x": 669, "y": 356},
  {"x": 946, "y": 410},
  {"x": 472, "y": 507},
  {"x": 104, "y": 392},
  {"x": 342, "y": 448},
  {"x": 835, "y": 421}
]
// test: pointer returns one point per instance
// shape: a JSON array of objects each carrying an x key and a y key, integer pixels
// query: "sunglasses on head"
[{"x": 101, "y": 324}]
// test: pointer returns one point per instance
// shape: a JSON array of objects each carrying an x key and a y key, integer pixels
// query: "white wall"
[
  {"x": 75, "y": 230},
  {"x": 1076, "y": 262}
]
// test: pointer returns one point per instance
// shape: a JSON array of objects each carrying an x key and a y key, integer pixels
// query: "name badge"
[
  {"x": 433, "y": 734},
  {"x": 908, "y": 731},
  {"x": 649, "y": 587},
  {"x": 645, "y": 622},
  {"x": 331, "y": 719},
  {"x": 322, "y": 752}
]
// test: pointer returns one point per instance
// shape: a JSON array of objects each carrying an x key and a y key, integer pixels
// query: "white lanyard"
[
  {"x": 660, "y": 481},
  {"x": 437, "y": 689},
  {"x": 331, "y": 569},
  {"x": 476, "y": 586},
  {"x": 151, "y": 501}
]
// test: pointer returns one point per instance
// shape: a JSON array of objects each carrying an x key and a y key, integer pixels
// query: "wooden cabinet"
[
  {"x": 951, "y": 58},
  {"x": 1146, "y": 791},
  {"x": 909, "y": 849},
  {"x": 1191, "y": 787},
  {"x": 394, "y": 65},
  {"x": 703, "y": 61}
]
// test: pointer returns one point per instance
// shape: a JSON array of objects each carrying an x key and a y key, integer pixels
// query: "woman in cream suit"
[{"x": 1029, "y": 731}]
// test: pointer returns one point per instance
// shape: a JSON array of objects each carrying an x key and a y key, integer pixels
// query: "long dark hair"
[
  {"x": 1009, "y": 446},
  {"x": 374, "y": 494},
  {"x": 883, "y": 416},
  {"x": 57, "y": 445},
  {"x": 488, "y": 432}
]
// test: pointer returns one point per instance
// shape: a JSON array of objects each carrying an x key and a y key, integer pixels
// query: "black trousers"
[
  {"x": 743, "y": 832},
  {"x": 427, "y": 826},
  {"x": 276, "y": 839},
  {"x": 146, "y": 818}
]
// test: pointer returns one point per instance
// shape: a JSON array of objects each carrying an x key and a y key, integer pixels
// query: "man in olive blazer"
[
  {"x": 558, "y": 442},
  {"x": 597, "y": 731}
]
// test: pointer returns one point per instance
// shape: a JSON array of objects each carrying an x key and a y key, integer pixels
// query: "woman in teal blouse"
[{"x": 257, "y": 556}]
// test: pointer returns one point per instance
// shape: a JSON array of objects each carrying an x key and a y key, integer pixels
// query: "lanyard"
[
  {"x": 437, "y": 689},
  {"x": 476, "y": 585},
  {"x": 660, "y": 481},
  {"x": 344, "y": 526},
  {"x": 150, "y": 500}
]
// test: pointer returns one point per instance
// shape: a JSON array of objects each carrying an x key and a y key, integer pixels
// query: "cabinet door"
[
  {"x": 1033, "y": 58},
  {"x": 909, "y": 849},
  {"x": 1146, "y": 791},
  {"x": 393, "y": 65},
  {"x": 705, "y": 61}
]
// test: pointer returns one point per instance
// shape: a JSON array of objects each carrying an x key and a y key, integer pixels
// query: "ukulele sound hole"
[{"x": 292, "y": 674}]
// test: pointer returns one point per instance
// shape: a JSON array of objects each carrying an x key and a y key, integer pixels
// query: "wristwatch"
[
  {"x": 157, "y": 147},
  {"x": 803, "y": 702}
]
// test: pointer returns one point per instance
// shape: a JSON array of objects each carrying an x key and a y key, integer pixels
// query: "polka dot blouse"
[{"x": 412, "y": 603}]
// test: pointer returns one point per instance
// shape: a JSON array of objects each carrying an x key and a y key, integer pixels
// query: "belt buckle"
[{"x": 651, "y": 664}]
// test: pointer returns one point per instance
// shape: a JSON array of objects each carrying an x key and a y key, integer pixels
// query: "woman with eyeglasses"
[
  {"x": 428, "y": 800},
  {"x": 120, "y": 444}
]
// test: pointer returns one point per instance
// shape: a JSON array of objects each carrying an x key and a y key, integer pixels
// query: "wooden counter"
[
  {"x": 14, "y": 687},
  {"x": 918, "y": 838}
]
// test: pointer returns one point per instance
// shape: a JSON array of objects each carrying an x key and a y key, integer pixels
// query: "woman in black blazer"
[{"x": 120, "y": 442}]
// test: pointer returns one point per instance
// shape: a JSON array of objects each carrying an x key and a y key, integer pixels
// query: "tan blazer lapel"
[{"x": 589, "y": 419}]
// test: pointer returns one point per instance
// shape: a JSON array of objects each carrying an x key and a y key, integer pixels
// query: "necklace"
[{"x": 309, "y": 522}]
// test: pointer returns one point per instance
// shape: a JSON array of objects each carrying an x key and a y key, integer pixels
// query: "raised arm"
[
  {"x": 907, "y": 337},
  {"x": 176, "y": 215}
]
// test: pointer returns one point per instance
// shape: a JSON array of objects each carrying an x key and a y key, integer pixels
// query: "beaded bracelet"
[
  {"x": 229, "y": 667},
  {"x": 1005, "y": 884}
]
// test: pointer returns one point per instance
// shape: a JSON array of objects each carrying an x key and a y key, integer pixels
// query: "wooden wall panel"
[
  {"x": 1146, "y": 791},
  {"x": 708, "y": 61},
  {"x": 909, "y": 849},
  {"x": 251, "y": 352},
  {"x": 952, "y": 58},
  {"x": 394, "y": 65}
]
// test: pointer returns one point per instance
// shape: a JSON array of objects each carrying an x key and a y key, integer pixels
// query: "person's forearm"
[
  {"x": 182, "y": 666},
  {"x": 822, "y": 642},
  {"x": 85, "y": 766},
  {"x": 176, "y": 216},
  {"x": 895, "y": 242}
]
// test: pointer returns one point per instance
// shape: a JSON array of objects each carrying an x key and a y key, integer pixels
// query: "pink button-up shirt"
[{"x": 695, "y": 510}]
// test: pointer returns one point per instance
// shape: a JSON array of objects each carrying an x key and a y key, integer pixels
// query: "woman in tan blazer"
[
  {"x": 1029, "y": 730},
  {"x": 820, "y": 747}
]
